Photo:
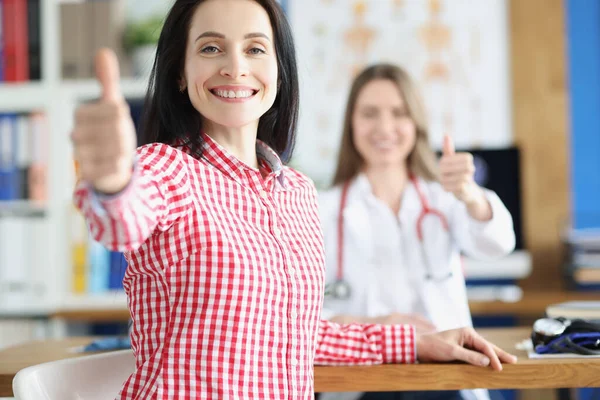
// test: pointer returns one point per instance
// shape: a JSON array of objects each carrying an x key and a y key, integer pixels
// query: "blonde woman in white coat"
[{"x": 389, "y": 189}]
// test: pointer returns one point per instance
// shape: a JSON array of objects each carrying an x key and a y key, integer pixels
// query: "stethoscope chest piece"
[{"x": 338, "y": 290}]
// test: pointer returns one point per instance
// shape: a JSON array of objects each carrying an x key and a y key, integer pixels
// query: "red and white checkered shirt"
[{"x": 225, "y": 279}]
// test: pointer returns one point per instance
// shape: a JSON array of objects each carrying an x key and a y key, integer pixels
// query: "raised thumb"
[
  {"x": 448, "y": 149},
  {"x": 107, "y": 73}
]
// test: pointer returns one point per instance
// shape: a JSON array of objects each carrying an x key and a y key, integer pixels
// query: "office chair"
[{"x": 92, "y": 377}]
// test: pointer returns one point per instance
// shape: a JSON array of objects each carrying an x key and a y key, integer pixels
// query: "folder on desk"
[
  {"x": 105, "y": 344},
  {"x": 589, "y": 310}
]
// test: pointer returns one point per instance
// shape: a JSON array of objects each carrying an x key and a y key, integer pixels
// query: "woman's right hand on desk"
[
  {"x": 104, "y": 137},
  {"x": 463, "y": 344}
]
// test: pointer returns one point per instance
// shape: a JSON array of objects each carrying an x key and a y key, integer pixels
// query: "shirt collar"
[
  {"x": 365, "y": 191},
  {"x": 216, "y": 155},
  {"x": 410, "y": 199},
  {"x": 362, "y": 184}
]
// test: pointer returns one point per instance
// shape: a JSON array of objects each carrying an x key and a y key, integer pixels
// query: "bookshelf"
[
  {"x": 57, "y": 99},
  {"x": 89, "y": 88},
  {"x": 21, "y": 208},
  {"x": 111, "y": 301},
  {"x": 30, "y": 96},
  {"x": 23, "y": 97}
]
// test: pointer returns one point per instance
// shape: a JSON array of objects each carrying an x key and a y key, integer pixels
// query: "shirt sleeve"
[
  {"x": 156, "y": 197},
  {"x": 365, "y": 344},
  {"x": 484, "y": 240}
]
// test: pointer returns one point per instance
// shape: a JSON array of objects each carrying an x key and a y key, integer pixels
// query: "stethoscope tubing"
[{"x": 426, "y": 210}]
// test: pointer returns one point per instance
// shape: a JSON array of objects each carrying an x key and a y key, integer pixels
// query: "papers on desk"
[
  {"x": 527, "y": 346},
  {"x": 589, "y": 310}
]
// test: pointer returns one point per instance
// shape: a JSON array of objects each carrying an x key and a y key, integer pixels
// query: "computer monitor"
[{"x": 499, "y": 170}]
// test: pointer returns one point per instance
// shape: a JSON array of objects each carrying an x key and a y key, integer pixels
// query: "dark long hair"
[{"x": 169, "y": 115}]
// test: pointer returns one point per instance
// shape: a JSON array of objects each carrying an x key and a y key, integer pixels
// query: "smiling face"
[
  {"x": 383, "y": 131},
  {"x": 230, "y": 65}
]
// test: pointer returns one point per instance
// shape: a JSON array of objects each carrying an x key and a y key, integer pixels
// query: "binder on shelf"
[
  {"x": 1, "y": 44},
  {"x": 582, "y": 263},
  {"x": 34, "y": 39},
  {"x": 118, "y": 266},
  {"x": 79, "y": 234},
  {"x": 98, "y": 267},
  {"x": 86, "y": 26},
  {"x": 8, "y": 168},
  {"x": 22, "y": 156},
  {"x": 37, "y": 174},
  {"x": 23, "y": 159},
  {"x": 75, "y": 60},
  {"x": 14, "y": 262},
  {"x": 15, "y": 39}
]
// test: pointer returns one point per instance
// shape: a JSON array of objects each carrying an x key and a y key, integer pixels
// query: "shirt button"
[
  {"x": 263, "y": 195},
  {"x": 276, "y": 231},
  {"x": 292, "y": 271},
  {"x": 294, "y": 362},
  {"x": 294, "y": 314}
]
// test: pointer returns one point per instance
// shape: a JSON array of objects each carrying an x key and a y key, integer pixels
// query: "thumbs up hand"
[
  {"x": 104, "y": 138},
  {"x": 457, "y": 174}
]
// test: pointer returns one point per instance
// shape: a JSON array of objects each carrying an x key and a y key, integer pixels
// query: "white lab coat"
[{"x": 443, "y": 301}]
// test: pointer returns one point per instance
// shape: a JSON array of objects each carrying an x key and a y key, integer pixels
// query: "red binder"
[{"x": 14, "y": 32}]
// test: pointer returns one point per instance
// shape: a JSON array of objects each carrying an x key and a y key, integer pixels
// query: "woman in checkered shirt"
[{"x": 223, "y": 241}]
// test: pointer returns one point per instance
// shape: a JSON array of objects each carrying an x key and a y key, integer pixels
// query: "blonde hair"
[{"x": 421, "y": 160}]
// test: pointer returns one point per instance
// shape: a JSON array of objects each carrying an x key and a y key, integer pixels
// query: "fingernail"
[{"x": 485, "y": 361}]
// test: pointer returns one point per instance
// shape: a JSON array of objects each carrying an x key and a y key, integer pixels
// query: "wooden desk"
[
  {"x": 526, "y": 374},
  {"x": 532, "y": 305},
  {"x": 92, "y": 315}
]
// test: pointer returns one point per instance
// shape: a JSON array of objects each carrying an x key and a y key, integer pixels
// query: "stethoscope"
[
  {"x": 561, "y": 335},
  {"x": 340, "y": 289}
]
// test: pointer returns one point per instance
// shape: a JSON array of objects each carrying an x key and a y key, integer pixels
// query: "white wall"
[
  {"x": 138, "y": 9},
  {"x": 465, "y": 41}
]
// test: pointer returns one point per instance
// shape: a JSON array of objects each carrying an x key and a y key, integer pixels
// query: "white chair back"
[{"x": 92, "y": 377}]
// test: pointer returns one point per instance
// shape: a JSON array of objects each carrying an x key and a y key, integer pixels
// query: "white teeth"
[
  {"x": 231, "y": 94},
  {"x": 383, "y": 145}
]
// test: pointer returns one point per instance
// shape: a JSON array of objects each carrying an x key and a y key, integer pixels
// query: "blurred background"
[{"x": 515, "y": 82}]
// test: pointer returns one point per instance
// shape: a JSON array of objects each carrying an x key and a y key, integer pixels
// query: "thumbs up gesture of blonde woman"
[
  {"x": 457, "y": 175},
  {"x": 104, "y": 138}
]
